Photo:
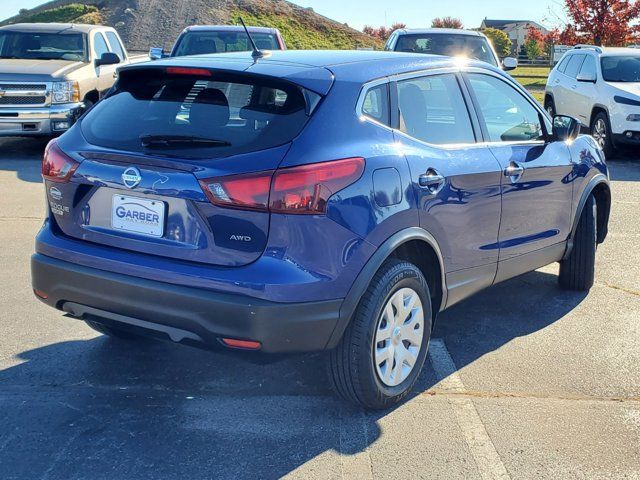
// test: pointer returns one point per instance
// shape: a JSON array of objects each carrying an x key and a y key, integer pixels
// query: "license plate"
[{"x": 138, "y": 215}]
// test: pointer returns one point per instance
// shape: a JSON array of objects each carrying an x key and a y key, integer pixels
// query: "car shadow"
[
  {"x": 105, "y": 408},
  {"x": 23, "y": 156}
]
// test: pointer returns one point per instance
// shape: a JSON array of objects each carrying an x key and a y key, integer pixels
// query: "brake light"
[
  {"x": 56, "y": 165},
  {"x": 306, "y": 189},
  {"x": 203, "y": 72},
  {"x": 294, "y": 190},
  {"x": 247, "y": 192}
]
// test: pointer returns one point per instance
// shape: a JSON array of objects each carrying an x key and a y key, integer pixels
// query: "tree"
[
  {"x": 604, "y": 22},
  {"x": 534, "y": 43},
  {"x": 447, "y": 22},
  {"x": 499, "y": 40},
  {"x": 383, "y": 33}
]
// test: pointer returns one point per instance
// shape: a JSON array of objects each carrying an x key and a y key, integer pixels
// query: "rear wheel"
[
  {"x": 112, "y": 332},
  {"x": 601, "y": 132},
  {"x": 577, "y": 272},
  {"x": 550, "y": 107},
  {"x": 384, "y": 348}
]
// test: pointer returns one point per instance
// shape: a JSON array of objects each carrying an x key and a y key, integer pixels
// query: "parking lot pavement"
[{"x": 523, "y": 381}]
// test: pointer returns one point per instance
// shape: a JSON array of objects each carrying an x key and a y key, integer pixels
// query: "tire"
[
  {"x": 550, "y": 107},
  {"x": 601, "y": 132},
  {"x": 112, "y": 332},
  {"x": 577, "y": 272},
  {"x": 353, "y": 372}
]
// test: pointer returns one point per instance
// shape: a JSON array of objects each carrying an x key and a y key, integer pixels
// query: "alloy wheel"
[
  {"x": 600, "y": 132},
  {"x": 399, "y": 336}
]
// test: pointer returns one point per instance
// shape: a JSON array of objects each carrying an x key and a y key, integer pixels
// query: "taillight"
[
  {"x": 247, "y": 192},
  {"x": 56, "y": 165},
  {"x": 306, "y": 189},
  {"x": 294, "y": 190}
]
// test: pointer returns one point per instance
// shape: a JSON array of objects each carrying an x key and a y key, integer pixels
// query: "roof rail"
[{"x": 592, "y": 47}]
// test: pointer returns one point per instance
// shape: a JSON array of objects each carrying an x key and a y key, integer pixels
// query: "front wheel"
[
  {"x": 577, "y": 271},
  {"x": 601, "y": 133},
  {"x": 384, "y": 348}
]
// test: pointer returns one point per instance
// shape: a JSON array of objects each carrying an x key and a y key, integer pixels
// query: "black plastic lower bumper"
[
  {"x": 183, "y": 314},
  {"x": 624, "y": 139}
]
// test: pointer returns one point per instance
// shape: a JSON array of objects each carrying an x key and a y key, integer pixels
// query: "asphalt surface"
[{"x": 523, "y": 381}]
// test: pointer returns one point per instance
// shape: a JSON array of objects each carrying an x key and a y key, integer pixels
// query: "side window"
[
  {"x": 376, "y": 104},
  {"x": 432, "y": 109},
  {"x": 116, "y": 46},
  {"x": 574, "y": 65},
  {"x": 589, "y": 67},
  {"x": 563, "y": 63},
  {"x": 99, "y": 45},
  {"x": 507, "y": 114}
]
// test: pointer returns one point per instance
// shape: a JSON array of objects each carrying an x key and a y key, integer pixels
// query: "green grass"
[
  {"x": 74, "y": 12},
  {"x": 526, "y": 71},
  {"x": 298, "y": 35},
  {"x": 534, "y": 79}
]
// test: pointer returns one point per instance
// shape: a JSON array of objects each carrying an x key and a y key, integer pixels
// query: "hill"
[{"x": 146, "y": 23}]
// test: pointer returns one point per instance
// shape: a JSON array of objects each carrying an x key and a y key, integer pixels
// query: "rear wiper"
[{"x": 180, "y": 140}]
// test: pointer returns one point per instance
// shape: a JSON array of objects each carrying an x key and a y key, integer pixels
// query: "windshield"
[
  {"x": 450, "y": 45},
  {"x": 43, "y": 46},
  {"x": 198, "y": 43},
  {"x": 193, "y": 117},
  {"x": 621, "y": 69}
]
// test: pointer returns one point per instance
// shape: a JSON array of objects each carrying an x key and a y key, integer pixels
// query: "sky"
[{"x": 415, "y": 13}]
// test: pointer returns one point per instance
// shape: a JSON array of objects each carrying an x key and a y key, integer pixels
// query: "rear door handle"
[
  {"x": 432, "y": 181},
  {"x": 514, "y": 171}
]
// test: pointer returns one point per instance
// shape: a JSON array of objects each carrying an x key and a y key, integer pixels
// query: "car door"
[
  {"x": 104, "y": 73},
  {"x": 569, "y": 86},
  {"x": 115, "y": 45},
  {"x": 585, "y": 92},
  {"x": 455, "y": 179},
  {"x": 536, "y": 180}
]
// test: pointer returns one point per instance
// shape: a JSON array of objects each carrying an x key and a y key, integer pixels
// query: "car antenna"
[{"x": 256, "y": 53}]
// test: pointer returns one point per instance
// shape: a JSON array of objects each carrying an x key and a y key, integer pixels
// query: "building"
[{"x": 516, "y": 30}]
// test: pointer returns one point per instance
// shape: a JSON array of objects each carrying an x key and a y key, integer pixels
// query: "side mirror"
[
  {"x": 156, "y": 53},
  {"x": 586, "y": 77},
  {"x": 509, "y": 63},
  {"x": 108, "y": 58},
  {"x": 565, "y": 128}
]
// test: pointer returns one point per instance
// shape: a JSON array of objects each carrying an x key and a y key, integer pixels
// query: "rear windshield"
[
  {"x": 199, "y": 43},
  {"x": 621, "y": 69},
  {"x": 198, "y": 117},
  {"x": 449, "y": 45},
  {"x": 43, "y": 46}
]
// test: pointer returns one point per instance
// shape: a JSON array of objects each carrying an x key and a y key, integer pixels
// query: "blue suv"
[{"x": 311, "y": 201}]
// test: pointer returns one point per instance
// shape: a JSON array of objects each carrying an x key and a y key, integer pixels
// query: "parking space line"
[{"x": 482, "y": 449}]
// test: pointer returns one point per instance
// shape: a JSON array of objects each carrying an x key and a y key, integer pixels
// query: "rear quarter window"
[{"x": 239, "y": 114}]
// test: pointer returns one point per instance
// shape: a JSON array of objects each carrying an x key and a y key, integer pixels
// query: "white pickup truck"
[{"x": 50, "y": 73}]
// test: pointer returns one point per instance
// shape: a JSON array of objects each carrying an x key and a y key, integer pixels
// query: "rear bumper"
[
  {"x": 40, "y": 121},
  {"x": 183, "y": 314}
]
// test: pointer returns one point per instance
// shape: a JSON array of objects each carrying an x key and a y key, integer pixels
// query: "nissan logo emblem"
[{"x": 131, "y": 177}]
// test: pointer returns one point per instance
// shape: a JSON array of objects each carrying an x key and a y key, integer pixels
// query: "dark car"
[
  {"x": 203, "y": 39},
  {"x": 340, "y": 205}
]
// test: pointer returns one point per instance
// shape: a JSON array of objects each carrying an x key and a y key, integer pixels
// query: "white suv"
[{"x": 601, "y": 88}]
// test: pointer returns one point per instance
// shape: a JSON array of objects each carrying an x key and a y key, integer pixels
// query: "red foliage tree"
[
  {"x": 447, "y": 22},
  {"x": 383, "y": 32},
  {"x": 603, "y": 22}
]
